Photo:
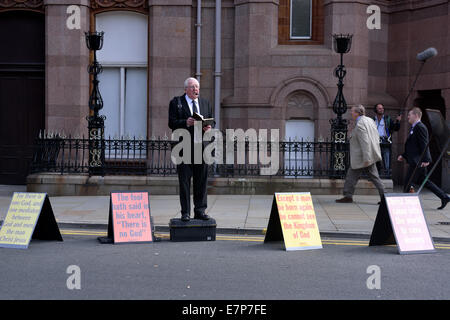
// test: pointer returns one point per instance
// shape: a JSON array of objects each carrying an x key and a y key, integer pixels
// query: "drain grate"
[{"x": 445, "y": 223}]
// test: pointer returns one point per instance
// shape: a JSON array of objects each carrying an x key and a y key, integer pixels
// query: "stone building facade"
[{"x": 267, "y": 76}]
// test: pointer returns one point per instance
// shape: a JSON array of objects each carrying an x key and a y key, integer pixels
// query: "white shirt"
[
  {"x": 198, "y": 138},
  {"x": 380, "y": 126},
  {"x": 191, "y": 105}
]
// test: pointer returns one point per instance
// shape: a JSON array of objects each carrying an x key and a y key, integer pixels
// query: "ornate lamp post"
[
  {"x": 96, "y": 123},
  {"x": 339, "y": 157}
]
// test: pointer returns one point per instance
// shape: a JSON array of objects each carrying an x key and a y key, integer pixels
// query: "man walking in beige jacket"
[{"x": 364, "y": 153}]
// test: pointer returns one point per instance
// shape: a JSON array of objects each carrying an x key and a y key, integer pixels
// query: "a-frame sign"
[
  {"x": 30, "y": 216},
  {"x": 129, "y": 218},
  {"x": 400, "y": 220},
  {"x": 293, "y": 221}
]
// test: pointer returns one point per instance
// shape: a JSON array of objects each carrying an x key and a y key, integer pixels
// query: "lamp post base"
[{"x": 96, "y": 127}]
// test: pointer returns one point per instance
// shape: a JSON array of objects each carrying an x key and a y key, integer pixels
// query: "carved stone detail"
[
  {"x": 28, "y": 4},
  {"x": 301, "y": 101},
  {"x": 130, "y": 4}
]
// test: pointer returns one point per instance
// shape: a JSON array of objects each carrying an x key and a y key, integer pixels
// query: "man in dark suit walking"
[
  {"x": 181, "y": 110},
  {"x": 414, "y": 148}
]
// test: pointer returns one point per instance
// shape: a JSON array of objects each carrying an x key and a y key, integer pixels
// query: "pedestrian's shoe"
[
  {"x": 201, "y": 216},
  {"x": 345, "y": 200},
  {"x": 185, "y": 217},
  {"x": 444, "y": 203}
]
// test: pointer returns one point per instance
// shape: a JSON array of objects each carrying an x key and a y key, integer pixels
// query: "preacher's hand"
[
  {"x": 206, "y": 128},
  {"x": 190, "y": 121}
]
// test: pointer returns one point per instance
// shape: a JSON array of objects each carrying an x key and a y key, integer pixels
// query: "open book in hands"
[{"x": 205, "y": 121}]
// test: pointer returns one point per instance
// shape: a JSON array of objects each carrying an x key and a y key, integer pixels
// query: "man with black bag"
[{"x": 386, "y": 126}]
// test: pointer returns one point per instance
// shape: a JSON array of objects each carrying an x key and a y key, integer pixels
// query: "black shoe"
[
  {"x": 345, "y": 200},
  {"x": 185, "y": 217},
  {"x": 201, "y": 216},
  {"x": 444, "y": 203}
]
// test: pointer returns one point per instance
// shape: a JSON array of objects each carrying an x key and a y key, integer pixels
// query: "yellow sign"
[
  {"x": 294, "y": 214},
  {"x": 21, "y": 219}
]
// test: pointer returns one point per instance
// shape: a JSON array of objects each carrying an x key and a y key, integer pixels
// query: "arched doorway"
[
  {"x": 22, "y": 91},
  {"x": 300, "y": 133}
]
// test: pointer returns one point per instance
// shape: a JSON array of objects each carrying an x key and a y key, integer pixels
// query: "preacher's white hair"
[{"x": 186, "y": 82}]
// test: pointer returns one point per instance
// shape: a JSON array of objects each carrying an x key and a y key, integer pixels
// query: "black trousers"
[
  {"x": 418, "y": 179},
  {"x": 199, "y": 173}
]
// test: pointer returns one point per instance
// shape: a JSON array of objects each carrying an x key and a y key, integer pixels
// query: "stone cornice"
[
  {"x": 390, "y": 6},
  {"x": 406, "y": 5},
  {"x": 240, "y": 2},
  {"x": 85, "y": 3},
  {"x": 169, "y": 3}
]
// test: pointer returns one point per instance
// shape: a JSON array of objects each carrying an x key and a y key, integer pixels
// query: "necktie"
[{"x": 194, "y": 104}]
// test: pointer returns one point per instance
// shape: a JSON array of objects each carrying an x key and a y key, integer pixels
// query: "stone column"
[
  {"x": 67, "y": 58},
  {"x": 351, "y": 17},
  {"x": 170, "y": 57},
  {"x": 255, "y": 33}
]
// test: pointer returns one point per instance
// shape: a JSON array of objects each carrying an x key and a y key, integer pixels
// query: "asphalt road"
[{"x": 232, "y": 267}]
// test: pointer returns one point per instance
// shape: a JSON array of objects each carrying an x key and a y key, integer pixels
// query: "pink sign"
[
  {"x": 131, "y": 217},
  {"x": 410, "y": 228}
]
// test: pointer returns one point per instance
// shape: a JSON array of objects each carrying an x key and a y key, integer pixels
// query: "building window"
[
  {"x": 124, "y": 91},
  {"x": 300, "y": 22},
  {"x": 300, "y": 19},
  {"x": 123, "y": 82}
]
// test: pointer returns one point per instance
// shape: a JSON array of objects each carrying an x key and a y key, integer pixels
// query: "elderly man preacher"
[
  {"x": 364, "y": 153},
  {"x": 181, "y": 111}
]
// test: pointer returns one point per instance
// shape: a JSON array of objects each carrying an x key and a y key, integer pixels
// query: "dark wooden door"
[{"x": 22, "y": 91}]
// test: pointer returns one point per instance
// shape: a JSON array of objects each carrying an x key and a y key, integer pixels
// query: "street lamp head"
[
  {"x": 342, "y": 43},
  {"x": 94, "y": 40}
]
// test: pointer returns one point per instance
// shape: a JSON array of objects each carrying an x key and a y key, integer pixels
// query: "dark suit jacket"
[
  {"x": 416, "y": 144},
  {"x": 179, "y": 114}
]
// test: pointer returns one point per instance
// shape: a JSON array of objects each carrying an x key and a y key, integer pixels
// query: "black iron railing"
[{"x": 295, "y": 159}]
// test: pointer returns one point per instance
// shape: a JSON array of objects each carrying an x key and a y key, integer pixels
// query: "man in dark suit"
[
  {"x": 414, "y": 148},
  {"x": 181, "y": 110}
]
